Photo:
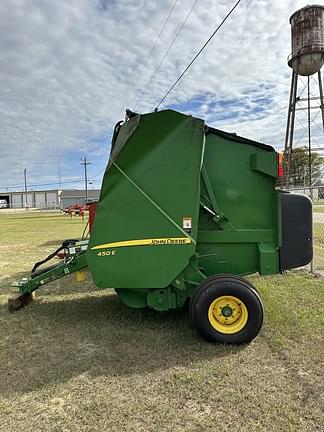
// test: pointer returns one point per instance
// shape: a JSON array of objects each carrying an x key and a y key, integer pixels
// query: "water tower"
[{"x": 306, "y": 59}]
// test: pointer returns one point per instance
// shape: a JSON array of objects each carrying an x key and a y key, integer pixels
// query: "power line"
[
  {"x": 167, "y": 52},
  {"x": 198, "y": 53},
  {"x": 42, "y": 184},
  {"x": 151, "y": 52},
  {"x": 96, "y": 175},
  {"x": 77, "y": 180}
]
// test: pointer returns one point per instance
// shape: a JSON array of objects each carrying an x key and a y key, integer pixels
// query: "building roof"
[
  {"x": 75, "y": 193},
  {"x": 29, "y": 191}
]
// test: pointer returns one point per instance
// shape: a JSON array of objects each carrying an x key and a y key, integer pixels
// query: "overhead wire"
[
  {"x": 96, "y": 175},
  {"x": 198, "y": 53},
  {"x": 77, "y": 180},
  {"x": 42, "y": 184},
  {"x": 166, "y": 53},
  {"x": 151, "y": 52}
]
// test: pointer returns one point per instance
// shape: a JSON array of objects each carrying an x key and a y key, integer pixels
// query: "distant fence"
[{"x": 316, "y": 194}]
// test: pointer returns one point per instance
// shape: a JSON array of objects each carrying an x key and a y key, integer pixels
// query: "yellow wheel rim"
[{"x": 228, "y": 314}]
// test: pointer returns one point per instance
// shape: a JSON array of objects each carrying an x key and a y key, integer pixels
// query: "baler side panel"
[
  {"x": 152, "y": 184},
  {"x": 243, "y": 177}
]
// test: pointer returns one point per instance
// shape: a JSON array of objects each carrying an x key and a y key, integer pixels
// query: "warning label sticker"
[{"x": 187, "y": 223}]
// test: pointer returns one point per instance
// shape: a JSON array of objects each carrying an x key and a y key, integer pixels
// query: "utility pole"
[
  {"x": 85, "y": 163},
  {"x": 25, "y": 178}
]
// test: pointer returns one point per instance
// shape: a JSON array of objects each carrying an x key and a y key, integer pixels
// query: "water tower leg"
[
  {"x": 289, "y": 114},
  {"x": 309, "y": 139},
  {"x": 321, "y": 95},
  {"x": 290, "y": 125}
]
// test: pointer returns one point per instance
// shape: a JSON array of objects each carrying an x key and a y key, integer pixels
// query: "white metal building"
[
  {"x": 46, "y": 199},
  {"x": 73, "y": 196},
  {"x": 33, "y": 199}
]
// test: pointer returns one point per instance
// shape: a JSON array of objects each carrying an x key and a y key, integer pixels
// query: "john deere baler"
[{"x": 185, "y": 211}]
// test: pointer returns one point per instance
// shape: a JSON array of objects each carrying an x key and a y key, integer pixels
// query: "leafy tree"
[{"x": 299, "y": 167}]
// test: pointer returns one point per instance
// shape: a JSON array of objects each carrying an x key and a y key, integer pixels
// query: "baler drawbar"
[{"x": 74, "y": 261}]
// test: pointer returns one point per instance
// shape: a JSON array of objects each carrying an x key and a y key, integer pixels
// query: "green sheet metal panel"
[
  {"x": 242, "y": 175},
  {"x": 152, "y": 183}
]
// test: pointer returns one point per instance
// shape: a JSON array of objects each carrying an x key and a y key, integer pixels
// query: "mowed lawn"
[
  {"x": 318, "y": 246},
  {"x": 319, "y": 209},
  {"x": 78, "y": 360}
]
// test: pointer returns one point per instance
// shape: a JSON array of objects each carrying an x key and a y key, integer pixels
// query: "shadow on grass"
[
  {"x": 57, "y": 242},
  {"x": 53, "y": 341}
]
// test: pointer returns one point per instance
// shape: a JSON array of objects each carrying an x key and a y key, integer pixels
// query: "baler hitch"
[{"x": 74, "y": 260}]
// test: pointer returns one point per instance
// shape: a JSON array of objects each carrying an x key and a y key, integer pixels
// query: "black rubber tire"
[
  {"x": 221, "y": 275},
  {"x": 231, "y": 285}
]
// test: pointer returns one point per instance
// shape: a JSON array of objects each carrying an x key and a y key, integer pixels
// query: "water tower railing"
[{"x": 309, "y": 49}]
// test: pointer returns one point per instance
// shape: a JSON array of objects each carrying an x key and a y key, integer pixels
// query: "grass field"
[
  {"x": 318, "y": 246},
  {"x": 78, "y": 360}
]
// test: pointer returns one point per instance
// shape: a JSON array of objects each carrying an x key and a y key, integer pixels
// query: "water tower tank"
[{"x": 307, "y": 40}]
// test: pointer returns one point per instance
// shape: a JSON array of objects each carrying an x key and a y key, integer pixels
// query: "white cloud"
[{"x": 68, "y": 67}]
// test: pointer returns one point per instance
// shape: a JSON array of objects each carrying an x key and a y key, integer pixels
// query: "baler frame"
[{"x": 167, "y": 176}]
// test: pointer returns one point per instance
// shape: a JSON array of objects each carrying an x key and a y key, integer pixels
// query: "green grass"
[
  {"x": 318, "y": 246},
  {"x": 78, "y": 360}
]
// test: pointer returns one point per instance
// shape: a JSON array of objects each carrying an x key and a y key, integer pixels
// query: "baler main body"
[
  {"x": 185, "y": 211},
  {"x": 181, "y": 202}
]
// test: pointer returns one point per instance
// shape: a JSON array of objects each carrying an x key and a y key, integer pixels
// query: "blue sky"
[{"x": 69, "y": 69}]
